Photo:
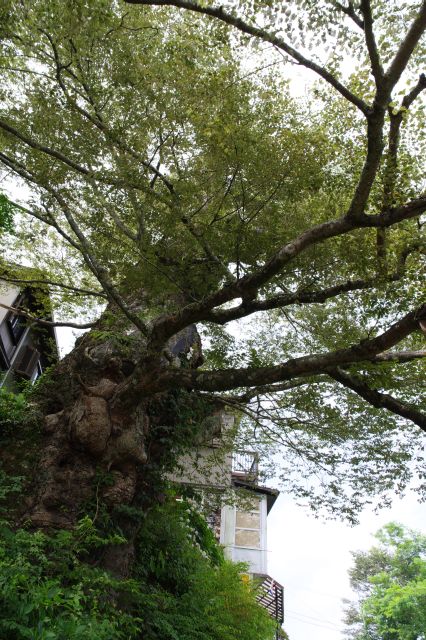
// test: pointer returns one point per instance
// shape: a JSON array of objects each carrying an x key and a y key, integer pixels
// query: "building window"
[
  {"x": 248, "y": 526},
  {"x": 4, "y": 361},
  {"x": 16, "y": 326},
  {"x": 26, "y": 362},
  {"x": 4, "y": 366},
  {"x": 37, "y": 372}
]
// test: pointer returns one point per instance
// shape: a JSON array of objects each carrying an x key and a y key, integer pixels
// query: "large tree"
[{"x": 165, "y": 178}]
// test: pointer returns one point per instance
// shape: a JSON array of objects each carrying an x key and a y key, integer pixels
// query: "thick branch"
[
  {"x": 249, "y": 306},
  {"x": 375, "y": 146},
  {"x": 220, "y": 14},
  {"x": 286, "y": 299},
  {"x": 313, "y": 364},
  {"x": 394, "y": 215},
  {"x": 407, "y": 47},
  {"x": 262, "y": 390},
  {"x": 376, "y": 117},
  {"x": 398, "y": 356},
  {"x": 377, "y": 398},
  {"x": 247, "y": 286},
  {"x": 415, "y": 91}
]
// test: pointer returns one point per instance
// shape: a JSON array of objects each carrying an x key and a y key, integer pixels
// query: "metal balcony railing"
[
  {"x": 270, "y": 594},
  {"x": 245, "y": 465}
]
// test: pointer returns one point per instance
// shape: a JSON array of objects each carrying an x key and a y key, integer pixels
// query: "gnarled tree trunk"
[{"x": 89, "y": 434}]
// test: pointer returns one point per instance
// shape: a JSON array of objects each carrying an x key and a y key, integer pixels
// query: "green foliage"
[
  {"x": 176, "y": 423},
  {"x": 203, "y": 536},
  {"x": 10, "y": 486},
  {"x": 176, "y": 525},
  {"x": 195, "y": 594},
  {"x": 260, "y": 150},
  {"x": 13, "y": 411},
  {"x": 46, "y": 593},
  {"x": 6, "y": 213},
  {"x": 181, "y": 587},
  {"x": 193, "y": 165},
  {"x": 88, "y": 537},
  {"x": 391, "y": 582}
]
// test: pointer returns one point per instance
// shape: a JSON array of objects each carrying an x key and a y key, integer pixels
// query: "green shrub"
[
  {"x": 195, "y": 594},
  {"x": 182, "y": 587},
  {"x": 13, "y": 407},
  {"x": 46, "y": 593}
]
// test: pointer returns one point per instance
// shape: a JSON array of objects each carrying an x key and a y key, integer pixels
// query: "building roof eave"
[{"x": 271, "y": 494}]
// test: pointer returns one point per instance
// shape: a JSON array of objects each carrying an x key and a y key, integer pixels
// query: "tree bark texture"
[{"x": 88, "y": 434}]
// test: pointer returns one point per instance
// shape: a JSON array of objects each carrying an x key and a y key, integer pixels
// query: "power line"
[
  {"x": 315, "y": 624},
  {"x": 305, "y": 615},
  {"x": 321, "y": 593}
]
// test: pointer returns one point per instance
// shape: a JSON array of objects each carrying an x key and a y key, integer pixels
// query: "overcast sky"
[{"x": 311, "y": 558}]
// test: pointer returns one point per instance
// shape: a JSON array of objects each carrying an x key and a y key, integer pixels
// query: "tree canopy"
[
  {"x": 162, "y": 167},
  {"x": 390, "y": 581}
]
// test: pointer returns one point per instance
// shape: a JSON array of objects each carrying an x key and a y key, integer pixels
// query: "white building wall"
[
  {"x": 245, "y": 543},
  {"x": 203, "y": 467},
  {"x": 207, "y": 465},
  {"x": 8, "y": 295}
]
